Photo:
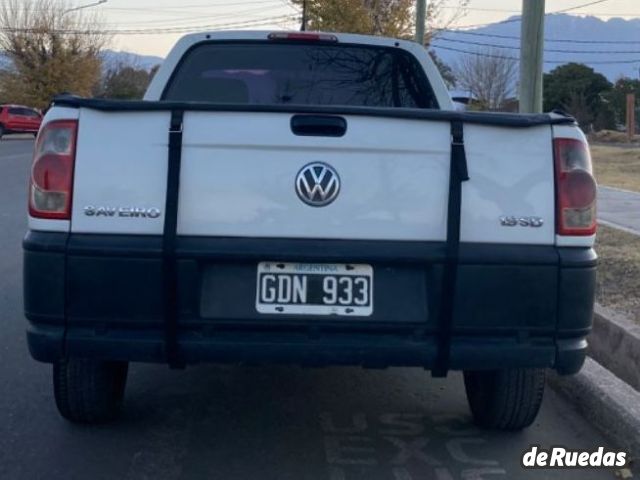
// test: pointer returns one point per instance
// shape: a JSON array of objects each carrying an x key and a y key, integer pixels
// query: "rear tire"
[
  {"x": 89, "y": 391},
  {"x": 505, "y": 399},
  {"x": 1, "y": 131}
]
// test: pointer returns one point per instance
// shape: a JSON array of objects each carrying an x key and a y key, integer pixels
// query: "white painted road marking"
[{"x": 361, "y": 445}]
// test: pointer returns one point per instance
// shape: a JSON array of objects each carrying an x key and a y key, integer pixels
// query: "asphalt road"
[
  {"x": 619, "y": 208},
  {"x": 211, "y": 422}
]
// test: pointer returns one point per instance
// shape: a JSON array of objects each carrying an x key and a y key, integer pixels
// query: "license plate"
[{"x": 314, "y": 289}]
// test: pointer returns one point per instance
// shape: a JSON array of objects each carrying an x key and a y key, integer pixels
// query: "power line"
[
  {"x": 557, "y": 40},
  {"x": 173, "y": 11},
  {"x": 156, "y": 31},
  {"x": 248, "y": 23},
  {"x": 478, "y": 54},
  {"x": 502, "y": 10},
  {"x": 550, "y": 50},
  {"x": 192, "y": 18},
  {"x": 578, "y": 7},
  {"x": 518, "y": 19},
  {"x": 179, "y": 7},
  {"x": 170, "y": 9},
  {"x": 476, "y": 9},
  {"x": 551, "y": 62}
]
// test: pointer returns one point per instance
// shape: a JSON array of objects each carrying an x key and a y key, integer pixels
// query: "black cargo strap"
[
  {"x": 169, "y": 263},
  {"x": 458, "y": 173}
]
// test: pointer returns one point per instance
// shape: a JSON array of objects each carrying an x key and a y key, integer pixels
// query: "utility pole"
[
  {"x": 631, "y": 116},
  {"x": 531, "y": 56},
  {"x": 303, "y": 27},
  {"x": 421, "y": 17}
]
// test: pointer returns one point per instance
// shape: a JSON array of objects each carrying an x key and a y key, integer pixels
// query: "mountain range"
[
  {"x": 112, "y": 58},
  {"x": 568, "y": 38}
]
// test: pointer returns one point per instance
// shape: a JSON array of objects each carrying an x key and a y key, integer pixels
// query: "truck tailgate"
[{"x": 239, "y": 171}]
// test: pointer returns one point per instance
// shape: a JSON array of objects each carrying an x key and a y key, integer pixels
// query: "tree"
[
  {"x": 50, "y": 51},
  {"x": 390, "y": 18},
  {"x": 446, "y": 71},
  {"x": 617, "y": 97},
  {"x": 489, "y": 76},
  {"x": 126, "y": 82},
  {"x": 580, "y": 91}
]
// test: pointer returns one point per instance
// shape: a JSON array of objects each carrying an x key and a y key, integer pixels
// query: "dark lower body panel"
[
  {"x": 20, "y": 131},
  {"x": 101, "y": 297}
]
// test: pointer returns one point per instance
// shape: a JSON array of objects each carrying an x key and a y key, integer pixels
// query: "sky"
[{"x": 277, "y": 14}]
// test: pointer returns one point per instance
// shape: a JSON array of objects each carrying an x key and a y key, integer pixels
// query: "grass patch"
[
  {"x": 611, "y": 136},
  {"x": 617, "y": 166},
  {"x": 618, "y": 285}
]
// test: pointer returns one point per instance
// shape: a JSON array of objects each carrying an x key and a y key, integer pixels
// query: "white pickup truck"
[{"x": 311, "y": 199}]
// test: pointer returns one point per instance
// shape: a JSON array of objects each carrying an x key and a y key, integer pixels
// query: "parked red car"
[{"x": 19, "y": 119}]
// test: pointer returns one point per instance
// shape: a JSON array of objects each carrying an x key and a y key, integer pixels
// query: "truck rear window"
[{"x": 301, "y": 74}]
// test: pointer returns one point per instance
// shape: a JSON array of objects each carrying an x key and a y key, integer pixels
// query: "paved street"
[
  {"x": 619, "y": 208},
  {"x": 212, "y": 422}
]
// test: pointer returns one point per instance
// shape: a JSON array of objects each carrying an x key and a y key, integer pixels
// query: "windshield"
[{"x": 301, "y": 74}]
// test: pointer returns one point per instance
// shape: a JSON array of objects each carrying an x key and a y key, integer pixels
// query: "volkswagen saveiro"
[{"x": 311, "y": 199}]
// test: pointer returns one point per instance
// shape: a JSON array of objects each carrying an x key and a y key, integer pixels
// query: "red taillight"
[
  {"x": 52, "y": 171},
  {"x": 303, "y": 36},
  {"x": 576, "y": 189}
]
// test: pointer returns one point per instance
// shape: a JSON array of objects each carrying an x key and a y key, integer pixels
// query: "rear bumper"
[
  {"x": 101, "y": 296},
  {"x": 47, "y": 343}
]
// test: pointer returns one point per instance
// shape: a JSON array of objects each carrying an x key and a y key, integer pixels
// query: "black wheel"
[
  {"x": 505, "y": 399},
  {"x": 89, "y": 391},
  {"x": 1, "y": 131}
]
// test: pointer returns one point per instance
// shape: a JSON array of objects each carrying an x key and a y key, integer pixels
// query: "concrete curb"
[
  {"x": 610, "y": 404},
  {"x": 615, "y": 344}
]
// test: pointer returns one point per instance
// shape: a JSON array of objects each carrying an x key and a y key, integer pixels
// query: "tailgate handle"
[{"x": 318, "y": 125}]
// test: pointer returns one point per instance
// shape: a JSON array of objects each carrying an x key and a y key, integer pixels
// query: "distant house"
[
  {"x": 461, "y": 96},
  {"x": 510, "y": 105},
  {"x": 464, "y": 100},
  {"x": 461, "y": 99}
]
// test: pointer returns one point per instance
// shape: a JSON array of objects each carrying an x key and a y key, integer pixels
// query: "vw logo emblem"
[{"x": 317, "y": 184}]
